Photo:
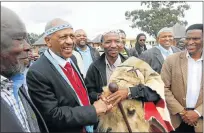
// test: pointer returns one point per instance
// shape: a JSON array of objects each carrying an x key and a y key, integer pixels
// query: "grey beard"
[{"x": 12, "y": 70}]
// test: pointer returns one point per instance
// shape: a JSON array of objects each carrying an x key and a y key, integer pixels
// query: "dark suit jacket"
[
  {"x": 9, "y": 120},
  {"x": 35, "y": 119},
  {"x": 56, "y": 100},
  {"x": 154, "y": 57}
]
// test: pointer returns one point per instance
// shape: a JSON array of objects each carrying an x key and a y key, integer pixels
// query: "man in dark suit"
[
  {"x": 18, "y": 113},
  {"x": 156, "y": 55},
  {"x": 56, "y": 86}
]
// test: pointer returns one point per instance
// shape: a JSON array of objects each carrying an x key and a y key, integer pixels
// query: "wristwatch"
[
  {"x": 129, "y": 94},
  {"x": 182, "y": 112}
]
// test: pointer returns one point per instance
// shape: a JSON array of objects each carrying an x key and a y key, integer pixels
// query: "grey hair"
[
  {"x": 112, "y": 31},
  {"x": 165, "y": 29}
]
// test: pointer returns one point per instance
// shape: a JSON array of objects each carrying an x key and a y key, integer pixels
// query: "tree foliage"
[
  {"x": 158, "y": 14},
  {"x": 32, "y": 37}
]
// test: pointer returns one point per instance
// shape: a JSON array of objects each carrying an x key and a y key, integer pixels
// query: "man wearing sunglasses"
[{"x": 156, "y": 55}]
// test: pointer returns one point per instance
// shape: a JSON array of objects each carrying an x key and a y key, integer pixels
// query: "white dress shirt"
[
  {"x": 62, "y": 62},
  {"x": 165, "y": 53},
  {"x": 193, "y": 81}
]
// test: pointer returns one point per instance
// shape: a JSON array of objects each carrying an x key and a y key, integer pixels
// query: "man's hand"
[
  {"x": 190, "y": 117},
  {"x": 118, "y": 96},
  {"x": 101, "y": 106}
]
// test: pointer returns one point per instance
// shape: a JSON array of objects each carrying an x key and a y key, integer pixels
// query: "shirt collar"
[
  {"x": 87, "y": 49},
  {"x": 189, "y": 57},
  {"x": 62, "y": 62},
  {"x": 165, "y": 50},
  {"x": 117, "y": 62}
]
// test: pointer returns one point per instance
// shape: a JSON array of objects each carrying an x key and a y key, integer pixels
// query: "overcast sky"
[{"x": 93, "y": 17}]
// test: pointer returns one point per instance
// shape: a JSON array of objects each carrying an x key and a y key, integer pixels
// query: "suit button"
[{"x": 184, "y": 99}]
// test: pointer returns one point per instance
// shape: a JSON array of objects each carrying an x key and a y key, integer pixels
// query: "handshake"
[{"x": 102, "y": 106}]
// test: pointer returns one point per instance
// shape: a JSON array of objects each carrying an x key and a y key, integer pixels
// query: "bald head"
[
  {"x": 11, "y": 27},
  {"x": 10, "y": 20}
]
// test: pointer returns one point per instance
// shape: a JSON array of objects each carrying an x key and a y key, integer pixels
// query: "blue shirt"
[
  {"x": 165, "y": 52},
  {"x": 87, "y": 59}
]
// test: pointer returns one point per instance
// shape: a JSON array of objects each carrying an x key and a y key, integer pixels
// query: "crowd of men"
[{"x": 62, "y": 90}]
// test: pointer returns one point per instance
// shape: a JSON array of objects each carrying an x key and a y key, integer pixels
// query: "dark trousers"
[{"x": 184, "y": 128}]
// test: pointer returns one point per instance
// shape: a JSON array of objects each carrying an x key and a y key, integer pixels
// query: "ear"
[{"x": 48, "y": 40}]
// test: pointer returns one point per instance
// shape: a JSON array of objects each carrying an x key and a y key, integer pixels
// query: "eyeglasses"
[{"x": 143, "y": 40}]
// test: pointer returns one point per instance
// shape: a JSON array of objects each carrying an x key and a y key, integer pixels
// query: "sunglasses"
[{"x": 143, "y": 40}]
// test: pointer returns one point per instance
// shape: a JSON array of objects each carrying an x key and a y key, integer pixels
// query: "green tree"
[
  {"x": 33, "y": 37},
  {"x": 157, "y": 15}
]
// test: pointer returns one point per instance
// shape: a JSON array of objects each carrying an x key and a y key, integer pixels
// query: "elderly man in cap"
[
  {"x": 156, "y": 55},
  {"x": 18, "y": 113},
  {"x": 56, "y": 86}
]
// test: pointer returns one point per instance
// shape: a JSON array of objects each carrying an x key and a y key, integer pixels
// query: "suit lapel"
[
  {"x": 200, "y": 98},
  {"x": 159, "y": 56},
  {"x": 32, "y": 112},
  {"x": 184, "y": 70},
  {"x": 31, "y": 117},
  {"x": 67, "y": 85},
  {"x": 56, "y": 68}
]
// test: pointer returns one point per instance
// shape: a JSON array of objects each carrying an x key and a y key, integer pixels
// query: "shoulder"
[
  {"x": 42, "y": 65},
  {"x": 175, "y": 57},
  {"x": 150, "y": 52},
  {"x": 175, "y": 49}
]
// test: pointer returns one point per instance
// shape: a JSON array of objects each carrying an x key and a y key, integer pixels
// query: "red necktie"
[{"x": 76, "y": 82}]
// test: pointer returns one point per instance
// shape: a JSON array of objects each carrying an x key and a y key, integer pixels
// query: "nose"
[
  {"x": 190, "y": 41},
  {"x": 114, "y": 44},
  {"x": 26, "y": 46},
  {"x": 69, "y": 40}
]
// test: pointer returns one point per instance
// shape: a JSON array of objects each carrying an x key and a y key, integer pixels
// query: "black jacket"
[
  {"x": 9, "y": 120},
  {"x": 96, "y": 77},
  {"x": 56, "y": 100},
  {"x": 94, "y": 53}
]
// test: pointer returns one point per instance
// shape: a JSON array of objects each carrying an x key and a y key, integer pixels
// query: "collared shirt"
[
  {"x": 193, "y": 81},
  {"x": 87, "y": 59},
  {"x": 62, "y": 62},
  {"x": 111, "y": 68},
  {"x": 8, "y": 95},
  {"x": 165, "y": 52}
]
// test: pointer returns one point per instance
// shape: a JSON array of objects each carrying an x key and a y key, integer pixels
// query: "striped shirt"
[{"x": 8, "y": 95}]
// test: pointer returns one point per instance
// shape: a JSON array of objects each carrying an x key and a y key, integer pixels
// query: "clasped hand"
[{"x": 190, "y": 117}]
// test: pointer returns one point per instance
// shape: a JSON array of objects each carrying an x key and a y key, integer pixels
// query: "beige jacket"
[{"x": 174, "y": 74}]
